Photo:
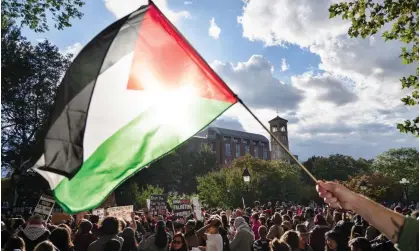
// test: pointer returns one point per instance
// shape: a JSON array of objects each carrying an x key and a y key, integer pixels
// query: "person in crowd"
[
  {"x": 309, "y": 216},
  {"x": 357, "y": 231},
  {"x": 112, "y": 245},
  {"x": 210, "y": 232},
  {"x": 317, "y": 239},
  {"x": 179, "y": 243},
  {"x": 262, "y": 244},
  {"x": 94, "y": 219},
  {"x": 278, "y": 245},
  {"x": 61, "y": 239},
  {"x": 291, "y": 238},
  {"x": 255, "y": 225},
  {"x": 224, "y": 221},
  {"x": 244, "y": 238},
  {"x": 401, "y": 230},
  {"x": 45, "y": 246},
  {"x": 130, "y": 243},
  {"x": 5, "y": 234},
  {"x": 108, "y": 231},
  {"x": 276, "y": 231},
  {"x": 84, "y": 236},
  {"x": 304, "y": 237},
  {"x": 360, "y": 244},
  {"x": 15, "y": 243},
  {"x": 158, "y": 241},
  {"x": 371, "y": 233},
  {"x": 286, "y": 225},
  {"x": 334, "y": 242},
  {"x": 34, "y": 233},
  {"x": 190, "y": 235}
]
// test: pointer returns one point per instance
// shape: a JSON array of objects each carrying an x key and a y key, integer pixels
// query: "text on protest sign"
[
  {"x": 158, "y": 204},
  {"x": 44, "y": 207},
  {"x": 123, "y": 212},
  {"x": 182, "y": 207}
]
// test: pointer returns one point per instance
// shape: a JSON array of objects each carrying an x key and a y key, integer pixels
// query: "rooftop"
[
  {"x": 278, "y": 118},
  {"x": 232, "y": 133}
]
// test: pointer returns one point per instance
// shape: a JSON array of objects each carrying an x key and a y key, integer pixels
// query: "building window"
[
  {"x": 246, "y": 148},
  {"x": 211, "y": 134},
  {"x": 228, "y": 149},
  {"x": 237, "y": 140},
  {"x": 213, "y": 147},
  {"x": 255, "y": 152},
  {"x": 265, "y": 153},
  {"x": 254, "y": 143},
  {"x": 237, "y": 150},
  {"x": 274, "y": 128},
  {"x": 283, "y": 129},
  {"x": 226, "y": 138}
]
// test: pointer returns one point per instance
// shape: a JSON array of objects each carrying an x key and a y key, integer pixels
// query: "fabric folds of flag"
[{"x": 134, "y": 93}]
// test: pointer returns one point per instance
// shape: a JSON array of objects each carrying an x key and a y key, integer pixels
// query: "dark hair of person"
[
  {"x": 286, "y": 217},
  {"x": 15, "y": 243},
  {"x": 130, "y": 243},
  {"x": 277, "y": 219},
  {"x": 161, "y": 236},
  {"x": 255, "y": 216},
  {"x": 112, "y": 245},
  {"x": 184, "y": 243},
  {"x": 17, "y": 223},
  {"x": 246, "y": 218},
  {"x": 60, "y": 237},
  {"x": 94, "y": 219},
  {"x": 224, "y": 220},
  {"x": 291, "y": 238},
  {"x": 66, "y": 227},
  {"x": 360, "y": 243},
  {"x": 357, "y": 231},
  {"x": 277, "y": 245},
  {"x": 320, "y": 220},
  {"x": 110, "y": 226},
  {"x": 337, "y": 237},
  {"x": 262, "y": 220},
  {"x": 199, "y": 224},
  {"x": 45, "y": 246},
  {"x": 85, "y": 227}
]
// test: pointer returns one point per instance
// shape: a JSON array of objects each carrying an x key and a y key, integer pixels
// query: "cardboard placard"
[
  {"x": 99, "y": 212},
  {"x": 182, "y": 207},
  {"x": 123, "y": 212},
  {"x": 57, "y": 218},
  {"x": 158, "y": 204},
  {"x": 44, "y": 207}
]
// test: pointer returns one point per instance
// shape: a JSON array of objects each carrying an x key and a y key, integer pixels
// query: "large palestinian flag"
[{"x": 136, "y": 92}]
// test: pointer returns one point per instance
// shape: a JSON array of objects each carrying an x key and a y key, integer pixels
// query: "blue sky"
[{"x": 340, "y": 95}]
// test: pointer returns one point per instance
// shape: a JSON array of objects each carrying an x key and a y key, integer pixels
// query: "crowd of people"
[{"x": 340, "y": 226}]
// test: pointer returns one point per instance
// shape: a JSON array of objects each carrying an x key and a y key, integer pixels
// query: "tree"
[
  {"x": 368, "y": 17},
  {"x": 34, "y": 13},
  {"x": 400, "y": 163},
  {"x": 270, "y": 180},
  {"x": 336, "y": 167},
  {"x": 379, "y": 187},
  {"x": 30, "y": 78},
  {"x": 130, "y": 194}
]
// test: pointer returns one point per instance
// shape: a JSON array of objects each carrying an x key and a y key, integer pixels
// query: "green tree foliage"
[
  {"x": 177, "y": 171},
  {"x": 368, "y": 17},
  {"x": 30, "y": 77},
  {"x": 400, "y": 163},
  {"x": 379, "y": 187},
  {"x": 34, "y": 14},
  {"x": 334, "y": 167},
  {"x": 270, "y": 180},
  {"x": 131, "y": 194}
]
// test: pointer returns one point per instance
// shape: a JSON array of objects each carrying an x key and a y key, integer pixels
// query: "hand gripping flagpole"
[
  {"x": 278, "y": 141},
  {"x": 150, "y": 2}
]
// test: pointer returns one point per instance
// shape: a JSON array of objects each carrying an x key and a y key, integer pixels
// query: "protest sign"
[
  {"x": 197, "y": 208},
  {"x": 158, "y": 204},
  {"x": 99, "y": 212},
  {"x": 182, "y": 207},
  {"x": 44, "y": 207},
  {"x": 58, "y": 218},
  {"x": 123, "y": 212}
]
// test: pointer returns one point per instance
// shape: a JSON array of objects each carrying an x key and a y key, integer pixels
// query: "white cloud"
[
  {"x": 214, "y": 30},
  {"x": 284, "y": 65},
  {"x": 73, "y": 49},
  {"x": 187, "y": 2},
  {"x": 121, "y": 9}
]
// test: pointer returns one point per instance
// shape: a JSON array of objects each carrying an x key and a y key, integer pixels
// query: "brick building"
[{"x": 230, "y": 144}]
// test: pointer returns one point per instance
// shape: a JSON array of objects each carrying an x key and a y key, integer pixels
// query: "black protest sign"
[
  {"x": 158, "y": 204},
  {"x": 182, "y": 207},
  {"x": 44, "y": 207}
]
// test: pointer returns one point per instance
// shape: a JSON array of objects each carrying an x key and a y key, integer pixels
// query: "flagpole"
[
  {"x": 150, "y": 2},
  {"x": 278, "y": 141}
]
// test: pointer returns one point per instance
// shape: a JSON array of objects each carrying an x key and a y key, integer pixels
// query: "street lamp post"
[
  {"x": 405, "y": 183},
  {"x": 246, "y": 179}
]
